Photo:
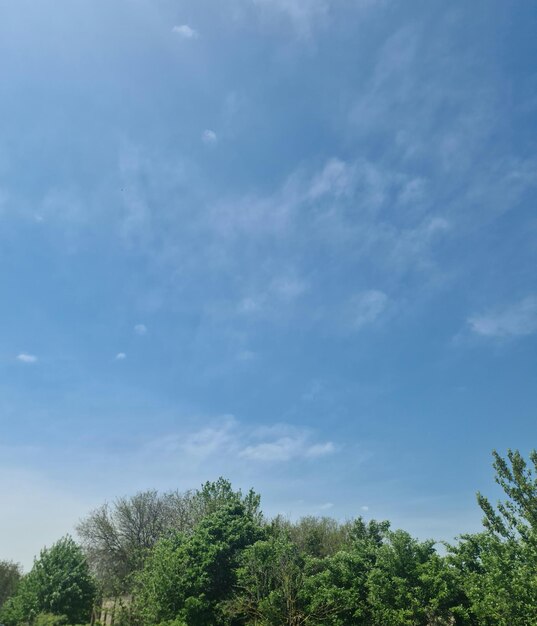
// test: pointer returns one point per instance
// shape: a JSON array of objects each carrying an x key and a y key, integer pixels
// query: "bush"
[{"x": 48, "y": 619}]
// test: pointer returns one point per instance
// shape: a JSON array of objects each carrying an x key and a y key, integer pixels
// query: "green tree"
[
  {"x": 278, "y": 584},
  {"x": 190, "y": 577},
  {"x": 118, "y": 537},
  {"x": 59, "y": 583},
  {"x": 270, "y": 584},
  {"x": 10, "y": 575},
  {"x": 517, "y": 516},
  {"x": 499, "y": 579},
  {"x": 409, "y": 585},
  {"x": 498, "y": 568},
  {"x": 319, "y": 536}
]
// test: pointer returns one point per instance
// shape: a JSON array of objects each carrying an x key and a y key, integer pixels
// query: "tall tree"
[
  {"x": 409, "y": 583},
  {"x": 59, "y": 583},
  {"x": 498, "y": 578},
  {"x": 190, "y": 577},
  {"x": 10, "y": 575},
  {"x": 517, "y": 516},
  {"x": 118, "y": 537}
]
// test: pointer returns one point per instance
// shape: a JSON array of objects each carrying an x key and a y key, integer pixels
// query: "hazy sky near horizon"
[{"x": 291, "y": 242}]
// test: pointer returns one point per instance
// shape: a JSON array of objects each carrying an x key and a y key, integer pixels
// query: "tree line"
[{"x": 210, "y": 557}]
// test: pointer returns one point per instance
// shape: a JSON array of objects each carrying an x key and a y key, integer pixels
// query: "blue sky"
[{"x": 291, "y": 242}]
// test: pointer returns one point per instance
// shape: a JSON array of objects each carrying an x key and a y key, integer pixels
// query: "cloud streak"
[
  {"x": 516, "y": 320},
  {"x": 367, "y": 307},
  {"x": 286, "y": 449},
  {"x": 226, "y": 436},
  {"x": 209, "y": 137},
  {"x": 23, "y": 357},
  {"x": 185, "y": 31}
]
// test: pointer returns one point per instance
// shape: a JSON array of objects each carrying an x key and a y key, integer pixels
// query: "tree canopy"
[
  {"x": 210, "y": 557},
  {"x": 59, "y": 583}
]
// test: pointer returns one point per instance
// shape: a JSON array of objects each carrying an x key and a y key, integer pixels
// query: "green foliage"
[
  {"x": 397, "y": 594},
  {"x": 271, "y": 583},
  {"x": 208, "y": 557},
  {"x": 49, "y": 619},
  {"x": 58, "y": 584},
  {"x": 173, "y": 622},
  {"x": 517, "y": 516},
  {"x": 319, "y": 536},
  {"x": 499, "y": 579},
  {"x": 10, "y": 575},
  {"x": 13, "y": 610},
  {"x": 117, "y": 538},
  {"x": 189, "y": 577}
]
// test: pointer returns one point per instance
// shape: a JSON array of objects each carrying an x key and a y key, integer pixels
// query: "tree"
[
  {"x": 59, "y": 583},
  {"x": 319, "y": 536},
  {"x": 278, "y": 584},
  {"x": 117, "y": 538},
  {"x": 10, "y": 575},
  {"x": 497, "y": 569},
  {"x": 191, "y": 576},
  {"x": 341, "y": 580},
  {"x": 270, "y": 584},
  {"x": 409, "y": 583},
  {"x": 516, "y": 517},
  {"x": 498, "y": 578}
]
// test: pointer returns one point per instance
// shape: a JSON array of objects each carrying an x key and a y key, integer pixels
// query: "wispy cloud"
[
  {"x": 209, "y": 137},
  {"x": 211, "y": 440},
  {"x": 185, "y": 31},
  {"x": 517, "y": 319},
  {"x": 219, "y": 436},
  {"x": 140, "y": 329},
  {"x": 340, "y": 213},
  {"x": 23, "y": 357},
  {"x": 246, "y": 355},
  {"x": 227, "y": 436},
  {"x": 366, "y": 307},
  {"x": 282, "y": 291},
  {"x": 284, "y": 443},
  {"x": 121, "y": 356}
]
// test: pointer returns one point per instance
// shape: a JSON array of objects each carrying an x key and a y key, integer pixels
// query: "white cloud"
[
  {"x": 319, "y": 449},
  {"x": 515, "y": 320},
  {"x": 349, "y": 210},
  {"x": 337, "y": 178},
  {"x": 210, "y": 440},
  {"x": 326, "y": 506},
  {"x": 367, "y": 307},
  {"x": 294, "y": 444},
  {"x": 288, "y": 287},
  {"x": 217, "y": 437},
  {"x": 121, "y": 356},
  {"x": 364, "y": 508},
  {"x": 26, "y": 358},
  {"x": 185, "y": 31},
  {"x": 227, "y": 438},
  {"x": 246, "y": 355},
  {"x": 140, "y": 329},
  {"x": 209, "y": 137},
  {"x": 249, "y": 305},
  {"x": 282, "y": 290}
]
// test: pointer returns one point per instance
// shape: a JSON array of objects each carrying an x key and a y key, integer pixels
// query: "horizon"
[{"x": 288, "y": 242}]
